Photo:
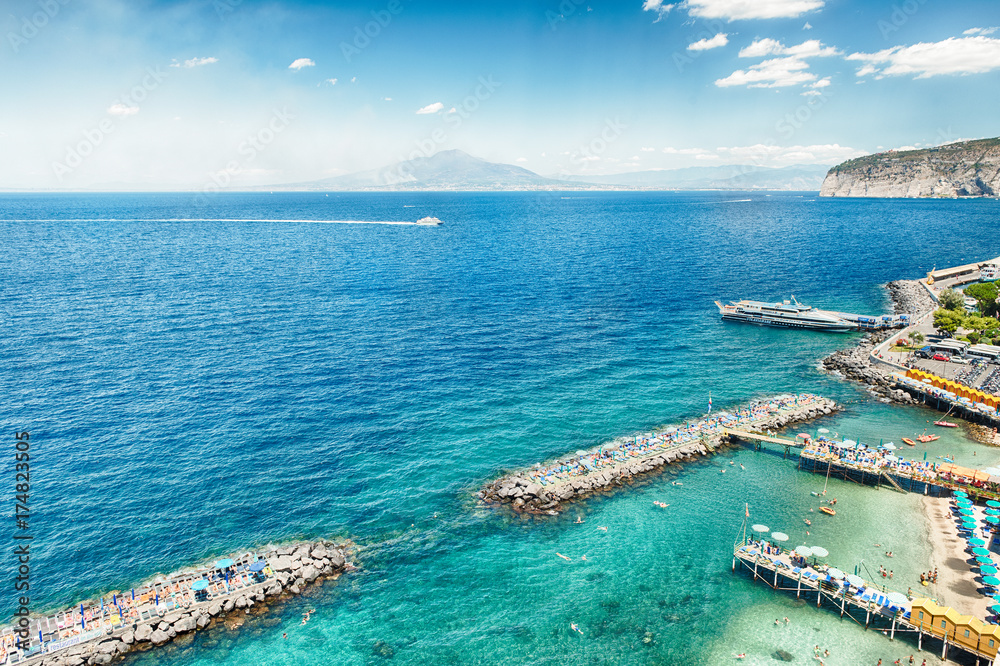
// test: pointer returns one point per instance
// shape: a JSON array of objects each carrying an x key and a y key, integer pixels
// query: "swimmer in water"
[
  {"x": 742, "y": 467},
  {"x": 603, "y": 529},
  {"x": 564, "y": 557},
  {"x": 579, "y": 520},
  {"x": 574, "y": 627}
]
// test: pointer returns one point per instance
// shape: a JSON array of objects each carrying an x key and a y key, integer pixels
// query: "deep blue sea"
[{"x": 193, "y": 388}]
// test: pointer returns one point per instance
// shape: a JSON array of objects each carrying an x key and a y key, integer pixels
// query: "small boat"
[
  {"x": 946, "y": 424},
  {"x": 928, "y": 438},
  {"x": 828, "y": 511},
  {"x": 909, "y": 441}
]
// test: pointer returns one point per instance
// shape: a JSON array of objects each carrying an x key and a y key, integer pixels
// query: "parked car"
[
  {"x": 923, "y": 352},
  {"x": 941, "y": 357},
  {"x": 959, "y": 359}
]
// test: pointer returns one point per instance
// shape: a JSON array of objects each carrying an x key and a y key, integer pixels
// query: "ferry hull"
[{"x": 767, "y": 321}]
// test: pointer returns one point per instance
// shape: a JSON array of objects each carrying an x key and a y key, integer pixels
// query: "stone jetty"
[
  {"x": 255, "y": 579},
  {"x": 855, "y": 363},
  {"x": 546, "y": 487}
]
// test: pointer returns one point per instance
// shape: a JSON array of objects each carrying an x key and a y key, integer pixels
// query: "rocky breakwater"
[
  {"x": 855, "y": 363},
  {"x": 292, "y": 569},
  {"x": 616, "y": 463}
]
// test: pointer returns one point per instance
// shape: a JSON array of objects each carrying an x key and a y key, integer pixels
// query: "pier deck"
[{"x": 870, "y": 601}]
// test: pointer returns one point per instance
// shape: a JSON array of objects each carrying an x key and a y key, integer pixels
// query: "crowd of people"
[
  {"x": 642, "y": 446},
  {"x": 873, "y": 458}
]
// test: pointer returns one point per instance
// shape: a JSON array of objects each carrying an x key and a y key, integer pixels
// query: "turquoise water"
[{"x": 193, "y": 388}]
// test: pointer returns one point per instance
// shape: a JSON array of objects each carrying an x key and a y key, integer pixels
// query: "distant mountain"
[
  {"x": 962, "y": 169},
  {"x": 446, "y": 170},
  {"x": 457, "y": 170},
  {"x": 728, "y": 177}
]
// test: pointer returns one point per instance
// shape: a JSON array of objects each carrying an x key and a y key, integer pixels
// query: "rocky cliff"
[{"x": 964, "y": 169}]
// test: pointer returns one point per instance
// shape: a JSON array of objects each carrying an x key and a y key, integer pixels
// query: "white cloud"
[
  {"x": 430, "y": 108},
  {"x": 647, "y": 149},
  {"x": 198, "y": 62},
  {"x": 771, "y": 155},
  {"x": 822, "y": 83},
  {"x": 332, "y": 82},
  {"x": 721, "y": 39},
  {"x": 773, "y": 73},
  {"x": 684, "y": 151},
  {"x": 521, "y": 159},
  {"x": 354, "y": 79},
  {"x": 750, "y": 9},
  {"x": 386, "y": 99},
  {"x": 807, "y": 26},
  {"x": 980, "y": 31},
  {"x": 122, "y": 110},
  {"x": 658, "y": 7},
  {"x": 299, "y": 63},
  {"x": 807, "y": 49},
  {"x": 955, "y": 55},
  {"x": 789, "y": 70}
]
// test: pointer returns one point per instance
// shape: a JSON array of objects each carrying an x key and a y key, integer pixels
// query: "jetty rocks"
[
  {"x": 614, "y": 464},
  {"x": 292, "y": 569},
  {"x": 854, "y": 363}
]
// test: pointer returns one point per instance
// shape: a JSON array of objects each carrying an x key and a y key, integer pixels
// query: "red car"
[{"x": 941, "y": 357}]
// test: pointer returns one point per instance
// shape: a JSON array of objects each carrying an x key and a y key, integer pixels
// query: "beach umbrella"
[
  {"x": 835, "y": 574},
  {"x": 223, "y": 564},
  {"x": 992, "y": 520},
  {"x": 993, "y": 512},
  {"x": 259, "y": 565},
  {"x": 988, "y": 570},
  {"x": 819, "y": 551},
  {"x": 993, "y": 504},
  {"x": 890, "y": 446},
  {"x": 849, "y": 443},
  {"x": 761, "y": 528},
  {"x": 965, "y": 511},
  {"x": 804, "y": 551},
  {"x": 581, "y": 453},
  {"x": 897, "y": 598},
  {"x": 961, "y": 501},
  {"x": 980, "y": 552},
  {"x": 856, "y": 581},
  {"x": 984, "y": 560},
  {"x": 995, "y": 608},
  {"x": 977, "y": 542},
  {"x": 199, "y": 585},
  {"x": 969, "y": 525},
  {"x": 991, "y": 581},
  {"x": 779, "y": 536}
]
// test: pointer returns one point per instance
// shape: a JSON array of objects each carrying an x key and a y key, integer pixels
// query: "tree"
[
  {"x": 951, "y": 300},
  {"x": 985, "y": 294},
  {"x": 973, "y": 337},
  {"x": 947, "y": 321},
  {"x": 917, "y": 338}
]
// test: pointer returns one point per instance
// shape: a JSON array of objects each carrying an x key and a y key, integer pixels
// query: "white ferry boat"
[
  {"x": 788, "y": 314},
  {"x": 989, "y": 272}
]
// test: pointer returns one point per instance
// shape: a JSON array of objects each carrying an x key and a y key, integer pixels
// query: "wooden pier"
[{"x": 869, "y": 605}]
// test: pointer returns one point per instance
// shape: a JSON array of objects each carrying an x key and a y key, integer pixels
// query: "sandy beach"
[{"x": 957, "y": 585}]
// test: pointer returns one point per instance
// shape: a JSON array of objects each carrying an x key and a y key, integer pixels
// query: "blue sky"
[{"x": 177, "y": 94}]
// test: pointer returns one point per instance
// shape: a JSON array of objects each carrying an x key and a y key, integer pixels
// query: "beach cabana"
[{"x": 928, "y": 616}]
